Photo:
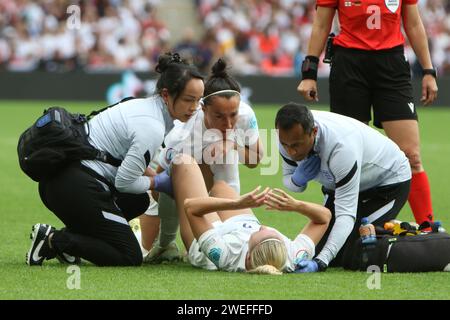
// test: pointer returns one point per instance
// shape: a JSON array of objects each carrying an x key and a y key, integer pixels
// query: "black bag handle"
[
  {"x": 107, "y": 158},
  {"x": 96, "y": 112}
]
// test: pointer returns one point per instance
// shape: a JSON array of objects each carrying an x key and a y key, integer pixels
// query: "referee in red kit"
[{"x": 369, "y": 69}]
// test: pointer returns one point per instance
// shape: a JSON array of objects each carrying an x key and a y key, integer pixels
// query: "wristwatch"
[
  {"x": 322, "y": 265},
  {"x": 430, "y": 71}
]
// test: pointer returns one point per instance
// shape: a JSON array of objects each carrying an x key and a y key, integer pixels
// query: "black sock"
[{"x": 46, "y": 250}]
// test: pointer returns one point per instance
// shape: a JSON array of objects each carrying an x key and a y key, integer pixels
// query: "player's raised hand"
[
  {"x": 279, "y": 200},
  {"x": 252, "y": 199}
]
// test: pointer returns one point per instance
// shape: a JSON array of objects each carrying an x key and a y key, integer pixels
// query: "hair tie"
[{"x": 175, "y": 58}]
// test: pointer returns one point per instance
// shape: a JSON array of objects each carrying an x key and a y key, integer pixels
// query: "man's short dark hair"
[{"x": 293, "y": 114}]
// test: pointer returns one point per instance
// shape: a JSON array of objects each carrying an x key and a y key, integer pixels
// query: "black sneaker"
[
  {"x": 64, "y": 258},
  {"x": 40, "y": 249},
  {"x": 39, "y": 240}
]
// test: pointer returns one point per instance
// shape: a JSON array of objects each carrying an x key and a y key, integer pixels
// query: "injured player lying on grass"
[{"x": 220, "y": 231}]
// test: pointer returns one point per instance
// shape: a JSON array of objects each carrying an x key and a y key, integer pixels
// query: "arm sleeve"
[
  {"x": 345, "y": 166},
  {"x": 223, "y": 252},
  {"x": 342, "y": 228},
  {"x": 302, "y": 248},
  {"x": 144, "y": 144}
]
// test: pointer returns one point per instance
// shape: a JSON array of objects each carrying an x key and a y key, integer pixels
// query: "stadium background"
[
  {"x": 49, "y": 51},
  {"x": 112, "y": 54}
]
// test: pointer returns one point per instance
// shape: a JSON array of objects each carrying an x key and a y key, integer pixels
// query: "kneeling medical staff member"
[{"x": 363, "y": 174}]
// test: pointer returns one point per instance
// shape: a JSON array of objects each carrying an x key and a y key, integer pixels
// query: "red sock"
[{"x": 420, "y": 198}]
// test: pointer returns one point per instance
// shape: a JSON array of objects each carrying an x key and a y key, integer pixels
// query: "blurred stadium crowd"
[{"x": 258, "y": 36}]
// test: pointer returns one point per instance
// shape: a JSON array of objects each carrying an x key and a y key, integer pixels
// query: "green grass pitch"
[{"x": 21, "y": 207}]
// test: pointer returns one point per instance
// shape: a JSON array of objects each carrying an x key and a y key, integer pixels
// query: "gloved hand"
[
  {"x": 163, "y": 183},
  {"x": 306, "y": 171},
  {"x": 306, "y": 266}
]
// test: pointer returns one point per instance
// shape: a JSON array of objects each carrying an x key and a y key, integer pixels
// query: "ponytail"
[{"x": 266, "y": 269}]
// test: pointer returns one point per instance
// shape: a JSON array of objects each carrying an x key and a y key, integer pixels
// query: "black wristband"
[
  {"x": 430, "y": 72},
  {"x": 309, "y": 67},
  {"x": 322, "y": 265}
]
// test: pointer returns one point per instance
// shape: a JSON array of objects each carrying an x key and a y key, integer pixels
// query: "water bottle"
[
  {"x": 439, "y": 227},
  {"x": 367, "y": 232}
]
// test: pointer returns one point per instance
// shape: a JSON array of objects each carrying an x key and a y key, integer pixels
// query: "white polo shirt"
[
  {"x": 131, "y": 131},
  {"x": 354, "y": 157}
]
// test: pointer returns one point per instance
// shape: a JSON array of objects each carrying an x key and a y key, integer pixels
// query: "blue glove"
[
  {"x": 306, "y": 266},
  {"x": 163, "y": 183},
  {"x": 306, "y": 171}
]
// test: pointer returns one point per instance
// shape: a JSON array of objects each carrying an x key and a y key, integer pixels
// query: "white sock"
[
  {"x": 144, "y": 251},
  {"x": 169, "y": 220}
]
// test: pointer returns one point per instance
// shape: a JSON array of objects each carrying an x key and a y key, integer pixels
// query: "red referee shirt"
[{"x": 368, "y": 24}]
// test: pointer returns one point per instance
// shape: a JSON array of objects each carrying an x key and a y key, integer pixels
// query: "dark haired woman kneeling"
[
  {"x": 94, "y": 199},
  {"x": 222, "y": 134}
]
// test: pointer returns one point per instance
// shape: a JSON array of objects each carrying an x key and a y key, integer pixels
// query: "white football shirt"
[
  {"x": 226, "y": 245},
  {"x": 193, "y": 138}
]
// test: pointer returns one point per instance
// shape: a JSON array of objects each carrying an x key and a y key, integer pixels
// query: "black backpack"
[
  {"x": 57, "y": 139},
  {"x": 419, "y": 253}
]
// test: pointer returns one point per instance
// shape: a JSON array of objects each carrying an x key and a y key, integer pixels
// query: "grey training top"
[
  {"x": 354, "y": 157},
  {"x": 132, "y": 131}
]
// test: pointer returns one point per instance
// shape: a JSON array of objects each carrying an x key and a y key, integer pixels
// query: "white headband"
[
  {"x": 221, "y": 91},
  {"x": 270, "y": 239}
]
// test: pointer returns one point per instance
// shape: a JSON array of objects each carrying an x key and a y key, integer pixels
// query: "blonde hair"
[{"x": 268, "y": 257}]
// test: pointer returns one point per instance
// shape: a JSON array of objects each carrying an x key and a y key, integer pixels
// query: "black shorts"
[
  {"x": 360, "y": 79},
  {"x": 380, "y": 205}
]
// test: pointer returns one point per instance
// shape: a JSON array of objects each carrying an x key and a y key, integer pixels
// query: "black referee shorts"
[
  {"x": 96, "y": 219},
  {"x": 360, "y": 80},
  {"x": 380, "y": 205}
]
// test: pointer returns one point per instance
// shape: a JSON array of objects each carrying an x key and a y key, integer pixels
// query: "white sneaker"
[{"x": 159, "y": 255}]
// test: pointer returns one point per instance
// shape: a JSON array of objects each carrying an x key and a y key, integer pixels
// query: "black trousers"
[
  {"x": 381, "y": 204},
  {"x": 96, "y": 219}
]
